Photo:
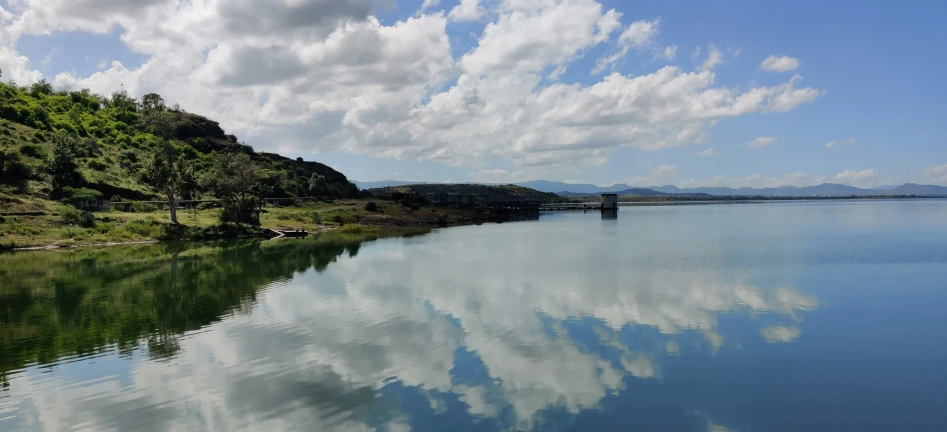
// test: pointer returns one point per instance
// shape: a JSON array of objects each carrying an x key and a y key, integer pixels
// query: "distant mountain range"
[{"x": 825, "y": 189}]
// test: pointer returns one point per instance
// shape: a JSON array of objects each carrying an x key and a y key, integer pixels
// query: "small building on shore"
[{"x": 609, "y": 201}]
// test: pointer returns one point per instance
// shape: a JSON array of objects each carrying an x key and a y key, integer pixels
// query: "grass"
[{"x": 345, "y": 217}]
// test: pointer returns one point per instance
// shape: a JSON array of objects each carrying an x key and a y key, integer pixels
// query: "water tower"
[{"x": 609, "y": 201}]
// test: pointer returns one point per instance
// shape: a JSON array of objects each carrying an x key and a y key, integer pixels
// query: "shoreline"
[
  {"x": 378, "y": 226},
  {"x": 361, "y": 223}
]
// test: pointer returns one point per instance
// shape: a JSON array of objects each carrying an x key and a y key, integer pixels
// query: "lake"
[{"x": 783, "y": 316}]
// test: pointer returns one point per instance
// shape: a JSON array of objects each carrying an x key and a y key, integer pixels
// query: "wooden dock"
[{"x": 290, "y": 233}]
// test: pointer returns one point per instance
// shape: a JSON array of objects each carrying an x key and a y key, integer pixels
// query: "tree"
[
  {"x": 124, "y": 103},
  {"x": 42, "y": 87},
  {"x": 63, "y": 166},
  {"x": 169, "y": 173},
  {"x": 317, "y": 185},
  {"x": 159, "y": 123},
  {"x": 235, "y": 179},
  {"x": 152, "y": 102}
]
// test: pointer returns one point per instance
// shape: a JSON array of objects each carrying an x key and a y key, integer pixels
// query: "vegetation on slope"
[{"x": 76, "y": 144}]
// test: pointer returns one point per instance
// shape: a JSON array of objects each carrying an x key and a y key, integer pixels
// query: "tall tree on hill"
[
  {"x": 169, "y": 173},
  {"x": 236, "y": 181},
  {"x": 152, "y": 102},
  {"x": 63, "y": 167},
  {"x": 317, "y": 185}
]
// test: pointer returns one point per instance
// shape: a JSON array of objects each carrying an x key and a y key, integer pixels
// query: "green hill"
[{"x": 116, "y": 136}]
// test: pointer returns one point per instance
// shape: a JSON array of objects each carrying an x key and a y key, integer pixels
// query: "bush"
[
  {"x": 97, "y": 165},
  {"x": 15, "y": 171},
  {"x": 139, "y": 207},
  {"x": 72, "y": 193},
  {"x": 69, "y": 215},
  {"x": 371, "y": 206},
  {"x": 147, "y": 228},
  {"x": 33, "y": 151}
]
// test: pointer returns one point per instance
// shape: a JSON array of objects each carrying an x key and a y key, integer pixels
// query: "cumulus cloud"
[
  {"x": 331, "y": 77},
  {"x": 714, "y": 58},
  {"x": 780, "y": 334},
  {"x": 761, "y": 142},
  {"x": 670, "y": 52},
  {"x": 495, "y": 176},
  {"x": 755, "y": 181},
  {"x": 429, "y": 4},
  {"x": 936, "y": 174},
  {"x": 707, "y": 153},
  {"x": 864, "y": 179},
  {"x": 849, "y": 141},
  {"x": 659, "y": 176},
  {"x": 640, "y": 33},
  {"x": 466, "y": 10},
  {"x": 779, "y": 64}
]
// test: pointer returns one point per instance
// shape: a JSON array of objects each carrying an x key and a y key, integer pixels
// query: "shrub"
[
  {"x": 139, "y": 207},
  {"x": 33, "y": 151},
  {"x": 98, "y": 165},
  {"x": 69, "y": 215},
  {"x": 15, "y": 171},
  {"x": 72, "y": 193},
  {"x": 144, "y": 228},
  {"x": 371, "y": 206}
]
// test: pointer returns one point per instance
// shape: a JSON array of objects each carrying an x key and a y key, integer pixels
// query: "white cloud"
[
  {"x": 755, "y": 181},
  {"x": 467, "y": 10},
  {"x": 494, "y": 176},
  {"x": 670, "y": 52},
  {"x": 429, "y": 4},
  {"x": 714, "y": 58},
  {"x": 659, "y": 176},
  {"x": 936, "y": 175},
  {"x": 640, "y": 33},
  {"x": 779, "y": 64},
  {"x": 864, "y": 179},
  {"x": 780, "y": 334},
  {"x": 832, "y": 144},
  {"x": 761, "y": 142},
  {"x": 334, "y": 78},
  {"x": 709, "y": 152}
]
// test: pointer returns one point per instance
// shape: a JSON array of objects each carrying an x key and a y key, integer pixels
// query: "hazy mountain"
[
  {"x": 916, "y": 189},
  {"x": 556, "y": 187},
  {"x": 640, "y": 192},
  {"x": 824, "y": 190}
]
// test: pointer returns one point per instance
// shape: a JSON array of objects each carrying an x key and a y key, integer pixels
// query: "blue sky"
[{"x": 871, "y": 71}]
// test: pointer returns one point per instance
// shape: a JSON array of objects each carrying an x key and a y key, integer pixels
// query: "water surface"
[{"x": 758, "y": 317}]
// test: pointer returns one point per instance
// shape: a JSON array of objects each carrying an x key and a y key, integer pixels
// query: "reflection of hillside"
[
  {"x": 482, "y": 322},
  {"x": 56, "y": 304}
]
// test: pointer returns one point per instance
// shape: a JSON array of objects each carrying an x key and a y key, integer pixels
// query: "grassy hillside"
[{"x": 115, "y": 141}]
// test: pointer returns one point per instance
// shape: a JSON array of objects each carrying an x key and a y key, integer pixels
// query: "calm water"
[{"x": 765, "y": 317}]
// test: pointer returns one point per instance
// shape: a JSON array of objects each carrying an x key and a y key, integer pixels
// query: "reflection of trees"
[{"x": 56, "y": 304}]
